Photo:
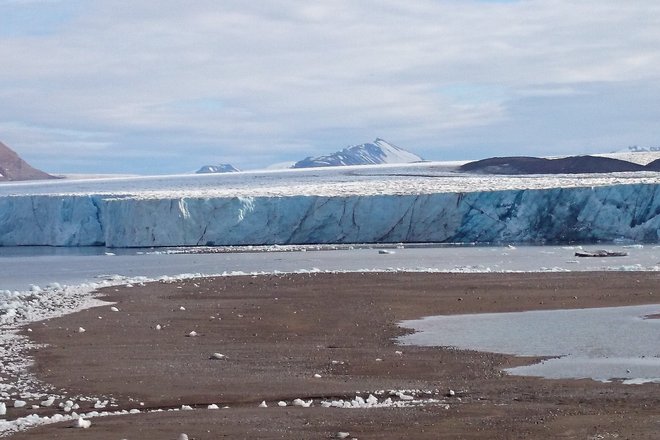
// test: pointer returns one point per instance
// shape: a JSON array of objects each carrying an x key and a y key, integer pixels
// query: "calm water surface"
[
  {"x": 616, "y": 343},
  {"x": 22, "y": 266}
]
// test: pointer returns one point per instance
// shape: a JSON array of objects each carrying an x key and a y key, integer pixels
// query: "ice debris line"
[{"x": 555, "y": 215}]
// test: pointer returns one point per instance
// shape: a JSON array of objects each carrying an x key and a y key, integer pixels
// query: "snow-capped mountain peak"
[
  {"x": 377, "y": 152},
  {"x": 221, "y": 168}
]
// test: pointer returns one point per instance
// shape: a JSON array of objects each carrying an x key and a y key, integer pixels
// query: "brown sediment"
[{"x": 277, "y": 332}]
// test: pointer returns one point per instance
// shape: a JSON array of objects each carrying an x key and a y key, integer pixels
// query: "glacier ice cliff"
[{"x": 556, "y": 215}]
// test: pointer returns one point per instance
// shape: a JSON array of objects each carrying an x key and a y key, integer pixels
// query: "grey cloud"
[{"x": 289, "y": 78}]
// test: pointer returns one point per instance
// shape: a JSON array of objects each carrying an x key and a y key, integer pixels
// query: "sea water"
[{"x": 22, "y": 266}]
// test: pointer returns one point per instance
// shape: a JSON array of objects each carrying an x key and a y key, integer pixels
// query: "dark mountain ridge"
[{"x": 565, "y": 165}]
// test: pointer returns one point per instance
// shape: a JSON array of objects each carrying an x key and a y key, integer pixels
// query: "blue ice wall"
[{"x": 556, "y": 215}]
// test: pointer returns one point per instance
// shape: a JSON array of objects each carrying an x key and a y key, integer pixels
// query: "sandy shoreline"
[{"x": 278, "y": 332}]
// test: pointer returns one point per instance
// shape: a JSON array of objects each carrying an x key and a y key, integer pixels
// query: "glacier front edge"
[{"x": 555, "y": 215}]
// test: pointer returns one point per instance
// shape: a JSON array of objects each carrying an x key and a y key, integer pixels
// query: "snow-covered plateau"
[{"x": 366, "y": 204}]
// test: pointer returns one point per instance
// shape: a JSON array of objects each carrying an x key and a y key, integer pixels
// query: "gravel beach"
[{"x": 239, "y": 341}]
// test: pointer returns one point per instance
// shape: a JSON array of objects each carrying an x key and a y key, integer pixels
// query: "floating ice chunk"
[
  {"x": 263, "y": 404},
  {"x": 114, "y": 309},
  {"x": 158, "y": 327},
  {"x": 19, "y": 403},
  {"x": 398, "y": 353},
  {"x": 317, "y": 376},
  {"x": 81, "y": 423},
  {"x": 3, "y": 408},
  {"x": 192, "y": 334},
  {"x": 342, "y": 434},
  {"x": 281, "y": 403},
  {"x": 385, "y": 252},
  {"x": 81, "y": 330},
  {"x": 218, "y": 356},
  {"x": 213, "y": 406},
  {"x": 183, "y": 437},
  {"x": 182, "y": 308},
  {"x": 451, "y": 393},
  {"x": 372, "y": 400}
]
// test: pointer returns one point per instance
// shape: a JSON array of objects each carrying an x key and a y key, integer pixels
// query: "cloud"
[{"x": 280, "y": 80}]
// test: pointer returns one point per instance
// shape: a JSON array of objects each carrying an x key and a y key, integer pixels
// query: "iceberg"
[{"x": 547, "y": 215}]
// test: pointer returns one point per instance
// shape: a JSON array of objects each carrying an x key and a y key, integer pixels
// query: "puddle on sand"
[{"x": 605, "y": 344}]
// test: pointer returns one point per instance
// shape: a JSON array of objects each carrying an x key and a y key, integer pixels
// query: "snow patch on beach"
[
  {"x": 18, "y": 311},
  {"x": 9, "y": 427},
  {"x": 375, "y": 399}
]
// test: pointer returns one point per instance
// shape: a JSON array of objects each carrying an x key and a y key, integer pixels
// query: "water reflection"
[{"x": 614, "y": 343}]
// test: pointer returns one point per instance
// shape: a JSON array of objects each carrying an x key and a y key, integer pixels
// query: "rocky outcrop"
[
  {"x": 214, "y": 169},
  {"x": 12, "y": 167}
]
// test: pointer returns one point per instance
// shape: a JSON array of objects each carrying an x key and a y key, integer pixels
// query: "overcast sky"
[{"x": 142, "y": 86}]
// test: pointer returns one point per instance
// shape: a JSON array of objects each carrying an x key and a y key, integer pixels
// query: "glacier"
[{"x": 607, "y": 212}]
